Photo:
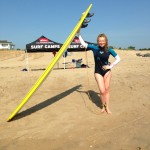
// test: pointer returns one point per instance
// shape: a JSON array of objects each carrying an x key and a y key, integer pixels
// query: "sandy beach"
[{"x": 62, "y": 116}]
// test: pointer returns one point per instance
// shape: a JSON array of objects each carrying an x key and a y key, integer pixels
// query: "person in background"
[{"x": 54, "y": 53}]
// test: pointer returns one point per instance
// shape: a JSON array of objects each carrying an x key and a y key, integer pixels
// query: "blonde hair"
[{"x": 106, "y": 45}]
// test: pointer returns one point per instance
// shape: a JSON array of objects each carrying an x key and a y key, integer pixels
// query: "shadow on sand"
[
  {"x": 46, "y": 103},
  {"x": 94, "y": 97}
]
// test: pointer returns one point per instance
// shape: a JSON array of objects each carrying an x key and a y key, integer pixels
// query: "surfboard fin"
[
  {"x": 89, "y": 15},
  {"x": 84, "y": 25},
  {"x": 86, "y": 20}
]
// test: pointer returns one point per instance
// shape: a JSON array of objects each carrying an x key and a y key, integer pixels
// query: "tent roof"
[{"x": 43, "y": 44}]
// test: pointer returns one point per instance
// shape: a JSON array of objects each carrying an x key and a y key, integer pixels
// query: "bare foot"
[
  {"x": 103, "y": 110},
  {"x": 108, "y": 111}
]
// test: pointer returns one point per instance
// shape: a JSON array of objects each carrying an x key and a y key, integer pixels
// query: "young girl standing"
[{"x": 102, "y": 73}]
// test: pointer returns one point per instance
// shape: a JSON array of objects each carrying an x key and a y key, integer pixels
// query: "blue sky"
[{"x": 125, "y": 22}]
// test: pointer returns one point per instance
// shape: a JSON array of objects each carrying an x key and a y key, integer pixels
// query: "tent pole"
[
  {"x": 58, "y": 65},
  {"x": 64, "y": 63},
  {"x": 27, "y": 61}
]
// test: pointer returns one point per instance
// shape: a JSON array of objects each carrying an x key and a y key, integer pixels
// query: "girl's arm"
[
  {"x": 115, "y": 62},
  {"x": 105, "y": 67},
  {"x": 84, "y": 44}
]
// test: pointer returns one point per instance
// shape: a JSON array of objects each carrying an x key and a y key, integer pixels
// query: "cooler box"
[{"x": 78, "y": 64}]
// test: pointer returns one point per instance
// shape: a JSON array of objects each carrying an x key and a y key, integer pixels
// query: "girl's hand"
[{"x": 105, "y": 67}]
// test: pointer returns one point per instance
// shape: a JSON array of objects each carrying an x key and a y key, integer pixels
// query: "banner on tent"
[{"x": 45, "y": 46}]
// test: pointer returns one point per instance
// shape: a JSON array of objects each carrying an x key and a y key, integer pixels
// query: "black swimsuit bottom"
[{"x": 101, "y": 71}]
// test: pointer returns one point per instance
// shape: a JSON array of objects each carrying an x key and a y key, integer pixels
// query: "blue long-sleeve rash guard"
[{"x": 100, "y": 56}]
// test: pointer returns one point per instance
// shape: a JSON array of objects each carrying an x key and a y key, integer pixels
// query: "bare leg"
[
  {"x": 107, "y": 79},
  {"x": 101, "y": 86}
]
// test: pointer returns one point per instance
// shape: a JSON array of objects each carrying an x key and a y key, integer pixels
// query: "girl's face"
[{"x": 101, "y": 41}]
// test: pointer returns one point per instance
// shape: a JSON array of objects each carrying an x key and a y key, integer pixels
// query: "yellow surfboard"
[{"x": 51, "y": 64}]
